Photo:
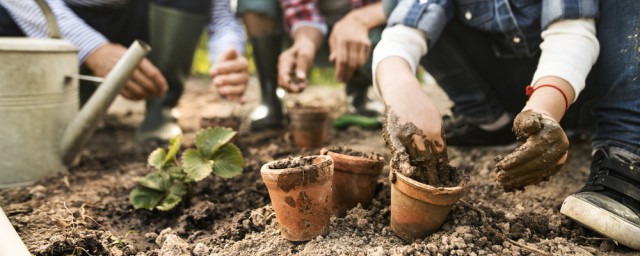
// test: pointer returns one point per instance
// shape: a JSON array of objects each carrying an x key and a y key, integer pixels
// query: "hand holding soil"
[
  {"x": 419, "y": 157},
  {"x": 542, "y": 154}
]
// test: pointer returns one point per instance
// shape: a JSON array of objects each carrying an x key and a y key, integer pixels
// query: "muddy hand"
[
  {"x": 542, "y": 154},
  {"x": 415, "y": 155}
]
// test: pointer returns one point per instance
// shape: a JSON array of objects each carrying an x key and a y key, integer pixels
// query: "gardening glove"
[
  {"x": 542, "y": 154},
  {"x": 413, "y": 153}
]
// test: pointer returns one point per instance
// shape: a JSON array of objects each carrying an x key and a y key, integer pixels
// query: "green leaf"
[
  {"x": 157, "y": 180},
  {"x": 145, "y": 198},
  {"x": 210, "y": 140},
  {"x": 156, "y": 158},
  {"x": 176, "y": 192},
  {"x": 174, "y": 146},
  {"x": 196, "y": 166},
  {"x": 228, "y": 161},
  {"x": 175, "y": 172}
]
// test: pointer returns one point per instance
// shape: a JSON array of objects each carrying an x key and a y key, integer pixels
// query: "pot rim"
[
  {"x": 329, "y": 152},
  {"x": 267, "y": 170},
  {"x": 427, "y": 193},
  {"x": 368, "y": 166}
]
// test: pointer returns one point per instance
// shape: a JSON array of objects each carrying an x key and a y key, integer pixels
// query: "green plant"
[{"x": 165, "y": 187}]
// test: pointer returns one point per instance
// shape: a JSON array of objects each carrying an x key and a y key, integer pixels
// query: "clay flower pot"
[
  {"x": 309, "y": 125},
  {"x": 355, "y": 178},
  {"x": 300, "y": 191},
  {"x": 417, "y": 209}
]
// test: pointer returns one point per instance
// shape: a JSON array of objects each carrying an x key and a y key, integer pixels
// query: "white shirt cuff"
[
  {"x": 399, "y": 41},
  {"x": 569, "y": 50}
]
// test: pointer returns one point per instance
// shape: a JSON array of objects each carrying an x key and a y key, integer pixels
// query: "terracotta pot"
[
  {"x": 417, "y": 209},
  {"x": 301, "y": 197},
  {"x": 354, "y": 179},
  {"x": 309, "y": 125}
]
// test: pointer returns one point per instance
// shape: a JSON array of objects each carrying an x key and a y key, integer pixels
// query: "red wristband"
[{"x": 529, "y": 90}]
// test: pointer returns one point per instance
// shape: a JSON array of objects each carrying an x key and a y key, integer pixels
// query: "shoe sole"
[{"x": 602, "y": 221}]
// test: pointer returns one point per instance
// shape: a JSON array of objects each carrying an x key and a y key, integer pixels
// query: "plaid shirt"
[{"x": 299, "y": 13}]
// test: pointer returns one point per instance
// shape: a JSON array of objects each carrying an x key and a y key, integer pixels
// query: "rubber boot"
[
  {"x": 359, "y": 102},
  {"x": 174, "y": 36},
  {"x": 363, "y": 110},
  {"x": 268, "y": 115}
]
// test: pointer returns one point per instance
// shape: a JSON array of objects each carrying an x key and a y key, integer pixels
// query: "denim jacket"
[{"x": 514, "y": 24}]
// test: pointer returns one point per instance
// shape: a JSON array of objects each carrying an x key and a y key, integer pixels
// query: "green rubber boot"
[
  {"x": 174, "y": 36},
  {"x": 268, "y": 115}
]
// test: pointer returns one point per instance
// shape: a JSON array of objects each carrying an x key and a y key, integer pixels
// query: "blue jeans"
[{"x": 618, "y": 76}]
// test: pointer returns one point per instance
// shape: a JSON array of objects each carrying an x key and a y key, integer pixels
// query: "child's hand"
[
  {"x": 413, "y": 124},
  {"x": 541, "y": 155},
  {"x": 230, "y": 75}
]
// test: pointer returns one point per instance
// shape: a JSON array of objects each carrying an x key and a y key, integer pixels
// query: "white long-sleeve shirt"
[
  {"x": 224, "y": 30},
  {"x": 569, "y": 49}
]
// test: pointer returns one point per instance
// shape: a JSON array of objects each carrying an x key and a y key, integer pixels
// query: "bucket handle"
[{"x": 54, "y": 30}]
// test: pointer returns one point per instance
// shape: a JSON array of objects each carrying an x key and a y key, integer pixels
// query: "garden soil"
[{"x": 86, "y": 211}]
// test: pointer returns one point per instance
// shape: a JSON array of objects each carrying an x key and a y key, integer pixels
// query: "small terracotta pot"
[
  {"x": 309, "y": 125},
  {"x": 301, "y": 197},
  {"x": 417, "y": 209},
  {"x": 354, "y": 179}
]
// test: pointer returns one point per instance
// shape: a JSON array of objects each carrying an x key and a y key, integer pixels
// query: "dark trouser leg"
[
  {"x": 175, "y": 29},
  {"x": 481, "y": 85},
  {"x": 611, "y": 196},
  {"x": 261, "y": 19},
  {"x": 618, "y": 70}
]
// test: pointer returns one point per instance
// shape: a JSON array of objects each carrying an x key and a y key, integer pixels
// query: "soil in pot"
[
  {"x": 424, "y": 187},
  {"x": 309, "y": 125},
  {"x": 355, "y": 177},
  {"x": 300, "y": 191}
]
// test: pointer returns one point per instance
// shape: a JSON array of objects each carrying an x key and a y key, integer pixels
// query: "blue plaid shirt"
[{"x": 514, "y": 24}]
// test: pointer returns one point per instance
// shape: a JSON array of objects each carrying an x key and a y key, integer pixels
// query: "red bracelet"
[{"x": 529, "y": 90}]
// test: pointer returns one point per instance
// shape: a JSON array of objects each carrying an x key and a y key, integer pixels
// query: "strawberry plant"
[{"x": 165, "y": 187}]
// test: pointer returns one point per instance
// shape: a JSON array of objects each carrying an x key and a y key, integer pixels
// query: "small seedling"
[{"x": 165, "y": 187}]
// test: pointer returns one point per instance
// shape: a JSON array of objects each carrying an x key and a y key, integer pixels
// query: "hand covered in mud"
[
  {"x": 542, "y": 154},
  {"x": 416, "y": 155}
]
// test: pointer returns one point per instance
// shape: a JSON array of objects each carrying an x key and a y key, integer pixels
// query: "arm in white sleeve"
[
  {"x": 224, "y": 31},
  {"x": 400, "y": 41},
  {"x": 569, "y": 49},
  {"x": 29, "y": 17}
]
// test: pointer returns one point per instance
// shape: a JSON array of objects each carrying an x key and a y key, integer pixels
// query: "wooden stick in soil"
[{"x": 483, "y": 216}]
